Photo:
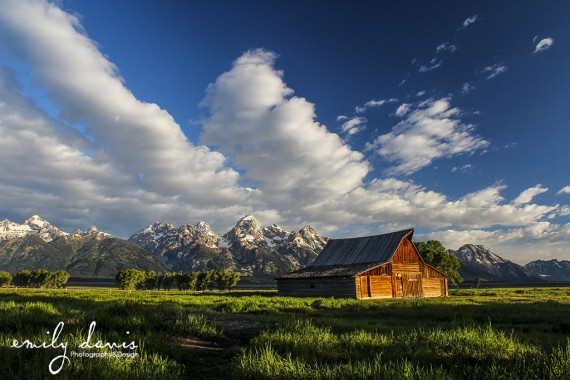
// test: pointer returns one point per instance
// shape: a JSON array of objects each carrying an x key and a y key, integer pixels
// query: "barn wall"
[
  {"x": 343, "y": 287},
  {"x": 374, "y": 286},
  {"x": 411, "y": 278},
  {"x": 433, "y": 287}
]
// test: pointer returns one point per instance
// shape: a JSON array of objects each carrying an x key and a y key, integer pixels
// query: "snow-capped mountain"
[
  {"x": 247, "y": 247},
  {"x": 303, "y": 247},
  {"x": 91, "y": 231},
  {"x": 32, "y": 226},
  {"x": 245, "y": 235},
  {"x": 150, "y": 237},
  {"x": 38, "y": 244},
  {"x": 480, "y": 261},
  {"x": 552, "y": 270},
  {"x": 275, "y": 236}
]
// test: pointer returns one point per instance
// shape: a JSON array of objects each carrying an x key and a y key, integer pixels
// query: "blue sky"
[{"x": 356, "y": 118}]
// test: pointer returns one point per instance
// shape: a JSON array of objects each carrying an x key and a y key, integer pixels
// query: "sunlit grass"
[{"x": 485, "y": 333}]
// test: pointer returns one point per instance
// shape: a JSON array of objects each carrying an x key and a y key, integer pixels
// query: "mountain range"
[
  {"x": 38, "y": 244},
  {"x": 480, "y": 261},
  {"x": 248, "y": 248},
  {"x": 552, "y": 270}
]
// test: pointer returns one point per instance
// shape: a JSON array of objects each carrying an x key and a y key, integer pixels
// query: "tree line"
[
  {"x": 134, "y": 279},
  {"x": 37, "y": 278},
  {"x": 434, "y": 253}
]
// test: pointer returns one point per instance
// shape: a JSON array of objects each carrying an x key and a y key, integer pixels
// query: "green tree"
[
  {"x": 225, "y": 279},
  {"x": 130, "y": 279},
  {"x": 221, "y": 278},
  {"x": 188, "y": 281},
  {"x": 149, "y": 281},
  {"x": 39, "y": 278},
  {"x": 477, "y": 282},
  {"x": 22, "y": 278},
  {"x": 5, "y": 279},
  {"x": 234, "y": 280},
  {"x": 61, "y": 279},
  {"x": 169, "y": 280},
  {"x": 204, "y": 280},
  {"x": 433, "y": 253}
]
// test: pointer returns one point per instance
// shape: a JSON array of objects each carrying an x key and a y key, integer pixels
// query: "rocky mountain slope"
[
  {"x": 92, "y": 253},
  {"x": 248, "y": 248},
  {"x": 552, "y": 270},
  {"x": 480, "y": 261}
]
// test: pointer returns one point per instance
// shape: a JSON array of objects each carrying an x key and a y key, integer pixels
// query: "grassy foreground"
[{"x": 473, "y": 334}]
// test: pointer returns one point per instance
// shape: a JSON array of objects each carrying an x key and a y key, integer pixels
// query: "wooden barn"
[{"x": 381, "y": 266}]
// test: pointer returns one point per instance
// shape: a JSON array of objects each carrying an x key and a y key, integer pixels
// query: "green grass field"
[{"x": 473, "y": 334}]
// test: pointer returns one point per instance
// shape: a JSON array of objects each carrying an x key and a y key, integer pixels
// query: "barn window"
[{"x": 313, "y": 286}]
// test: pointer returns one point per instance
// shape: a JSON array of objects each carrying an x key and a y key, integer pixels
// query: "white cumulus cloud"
[
  {"x": 275, "y": 138},
  {"x": 122, "y": 137},
  {"x": 432, "y": 130},
  {"x": 527, "y": 195}
]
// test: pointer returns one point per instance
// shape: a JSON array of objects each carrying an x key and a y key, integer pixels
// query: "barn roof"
[
  {"x": 349, "y": 257},
  {"x": 369, "y": 249},
  {"x": 330, "y": 271}
]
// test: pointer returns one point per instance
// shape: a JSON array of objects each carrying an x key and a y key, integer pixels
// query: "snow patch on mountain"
[
  {"x": 480, "y": 261},
  {"x": 32, "y": 226}
]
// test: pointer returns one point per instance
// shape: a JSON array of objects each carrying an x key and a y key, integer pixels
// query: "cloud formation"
[
  {"x": 494, "y": 70},
  {"x": 432, "y": 130},
  {"x": 544, "y": 44},
  {"x": 527, "y": 195},
  {"x": 564, "y": 190},
  {"x": 445, "y": 47},
  {"x": 354, "y": 125},
  {"x": 275, "y": 138},
  {"x": 373, "y": 104},
  {"x": 122, "y": 137},
  {"x": 433, "y": 64},
  {"x": 470, "y": 21},
  {"x": 116, "y": 161},
  {"x": 402, "y": 109},
  {"x": 466, "y": 88}
]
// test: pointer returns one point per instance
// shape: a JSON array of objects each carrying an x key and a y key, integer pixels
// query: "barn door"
[
  {"x": 364, "y": 287},
  {"x": 406, "y": 286},
  {"x": 397, "y": 285},
  {"x": 411, "y": 284}
]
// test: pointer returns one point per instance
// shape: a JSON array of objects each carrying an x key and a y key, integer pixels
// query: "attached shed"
[{"x": 381, "y": 266}]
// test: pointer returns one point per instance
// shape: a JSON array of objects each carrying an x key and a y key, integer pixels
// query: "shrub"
[{"x": 5, "y": 279}]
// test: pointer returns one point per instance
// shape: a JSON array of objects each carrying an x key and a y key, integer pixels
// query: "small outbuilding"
[{"x": 381, "y": 266}]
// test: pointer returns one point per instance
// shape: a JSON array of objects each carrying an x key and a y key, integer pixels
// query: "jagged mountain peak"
[
  {"x": 480, "y": 261},
  {"x": 248, "y": 223},
  {"x": 478, "y": 253},
  {"x": 10, "y": 230},
  {"x": 35, "y": 220},
  {"x": 31, "y": 226},
  {"x": 275, "y": 235},
  {"x": 91, "y": 231},
  {"x": 245, "y": 234},
  {"x": 203, "y": 226},
  {"x": 553, "y": 270}
]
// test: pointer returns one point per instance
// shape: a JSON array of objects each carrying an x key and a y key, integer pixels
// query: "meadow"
[{"x": 518, "y": 333}]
